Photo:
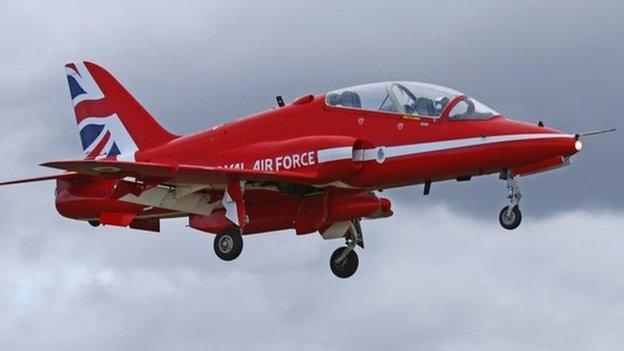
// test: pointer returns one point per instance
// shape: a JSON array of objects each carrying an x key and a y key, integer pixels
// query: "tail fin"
[{"x": 111, "y": 122}]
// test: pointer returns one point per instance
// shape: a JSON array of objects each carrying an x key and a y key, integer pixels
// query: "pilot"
[
  {"x": 424, "y": 107},
  {"x": 439, "y": 104},
  {"x": 333, "y": 99}
]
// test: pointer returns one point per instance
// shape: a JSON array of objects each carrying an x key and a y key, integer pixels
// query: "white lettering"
[
  {"x": 296, "y": 163},
  {"x": 298, "y": 160},
  {"x": 311, "y": 158},
  {"x": 278, "y": 162},
  {"x": 240, "y": 165},
  {"x": 287, "y": 162}
]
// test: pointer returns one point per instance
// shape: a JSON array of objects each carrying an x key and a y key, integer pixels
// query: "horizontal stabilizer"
[{"x": 39, "y": 179}]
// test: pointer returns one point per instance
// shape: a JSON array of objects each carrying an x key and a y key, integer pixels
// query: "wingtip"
[{"x": 39, "y": 179}]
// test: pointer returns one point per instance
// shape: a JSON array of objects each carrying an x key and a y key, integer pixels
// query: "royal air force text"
[{"x": 280, "y": 163}]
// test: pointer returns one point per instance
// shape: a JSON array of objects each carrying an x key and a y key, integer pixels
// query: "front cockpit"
[{"x": 410, "y": 98}]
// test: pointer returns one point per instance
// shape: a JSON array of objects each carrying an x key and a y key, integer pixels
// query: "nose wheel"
[
  {"x": 510, "y": 216},
  {"x": 510, "y": 221},
  {"x": 344, "y": 261}
]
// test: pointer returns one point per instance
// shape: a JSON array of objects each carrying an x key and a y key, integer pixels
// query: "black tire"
[
  {"x": 510, "y": 222},
  {"x": 347, "y": 267},
  {"x": 94, "y": 223},
  {"x": 228, "y": 245}
]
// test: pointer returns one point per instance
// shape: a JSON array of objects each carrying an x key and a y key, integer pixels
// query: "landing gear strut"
[
  {"x": 228, "y": 244},
  {"x": 510, "y": 216},
  {"x": 344, "y": 261}
]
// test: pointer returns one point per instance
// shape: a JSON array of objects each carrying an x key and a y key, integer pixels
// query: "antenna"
[
  {"x": 595, "y": 132},
  {"x": 280, "y": 101}
]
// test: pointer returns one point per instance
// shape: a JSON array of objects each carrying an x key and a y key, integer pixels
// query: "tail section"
[{"x": 112, "y": 123}]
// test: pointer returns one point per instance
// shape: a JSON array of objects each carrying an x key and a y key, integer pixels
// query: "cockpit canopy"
[{"x": 408, "y": 98}]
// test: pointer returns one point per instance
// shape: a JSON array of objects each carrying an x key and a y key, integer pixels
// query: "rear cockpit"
[{"x": 409, "y": 98}]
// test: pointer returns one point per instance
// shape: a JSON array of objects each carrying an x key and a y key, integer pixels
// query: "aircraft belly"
[{"x": 165, "y": 198}]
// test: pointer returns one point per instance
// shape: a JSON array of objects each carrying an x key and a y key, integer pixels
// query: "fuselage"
[{"x": 415, "y": 149}]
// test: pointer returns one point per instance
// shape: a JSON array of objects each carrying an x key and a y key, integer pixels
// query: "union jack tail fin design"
[{"x": 111, "y": 123}]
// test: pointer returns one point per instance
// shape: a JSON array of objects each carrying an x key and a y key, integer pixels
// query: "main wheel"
[
  {"x": 228, "y": 244},
  {"x": 346, "y": 267},
  {"x": 511, "y": 221}
]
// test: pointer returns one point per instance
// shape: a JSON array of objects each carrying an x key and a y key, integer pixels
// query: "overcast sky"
[{"x": 440, "y": 275}]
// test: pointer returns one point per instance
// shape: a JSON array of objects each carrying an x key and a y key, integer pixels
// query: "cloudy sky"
[{"x": 440, "y": 275}]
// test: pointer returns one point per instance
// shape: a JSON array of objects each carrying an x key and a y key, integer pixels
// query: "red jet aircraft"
[{"x": 312, "y": 165}]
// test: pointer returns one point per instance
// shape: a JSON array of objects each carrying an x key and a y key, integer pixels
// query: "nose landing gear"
[
  {"x": 510, "y": 216},
  {"x": 344, "y": 261},
  {"x": 509, "y": 220}
]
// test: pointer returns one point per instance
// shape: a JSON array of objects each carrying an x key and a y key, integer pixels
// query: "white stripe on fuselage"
[{"x": 336, "y": 154}]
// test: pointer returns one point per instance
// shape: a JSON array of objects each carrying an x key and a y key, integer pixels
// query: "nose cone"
[
  {"x": 578, "y": 145},
  {"x": 561, "y": 144},
  {"x": 556, "y": 143},
  {"x": 571, "y": 145},
  {"x": 543, "y": 142}
]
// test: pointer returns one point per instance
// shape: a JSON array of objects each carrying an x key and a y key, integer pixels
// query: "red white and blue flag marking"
[{"x": 102, "y": 133}]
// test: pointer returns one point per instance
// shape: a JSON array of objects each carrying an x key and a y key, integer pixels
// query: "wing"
[{"x": 172, "y": 174}]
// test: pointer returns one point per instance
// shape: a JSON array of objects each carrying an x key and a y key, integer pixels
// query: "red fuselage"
[{"x": 265, "y": 136}]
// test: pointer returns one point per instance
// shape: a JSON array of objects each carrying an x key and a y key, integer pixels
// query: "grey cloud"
[{"x": 439, "y": 281}]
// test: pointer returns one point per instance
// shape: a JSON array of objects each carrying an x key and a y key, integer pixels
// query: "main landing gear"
[
  {"x": 344, "y": 261},
  {"x": 510, "y": 216},
  {"x": 228, "y": 244}
]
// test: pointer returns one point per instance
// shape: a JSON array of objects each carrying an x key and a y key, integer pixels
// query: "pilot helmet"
[{"x": 440, "y": 103}]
